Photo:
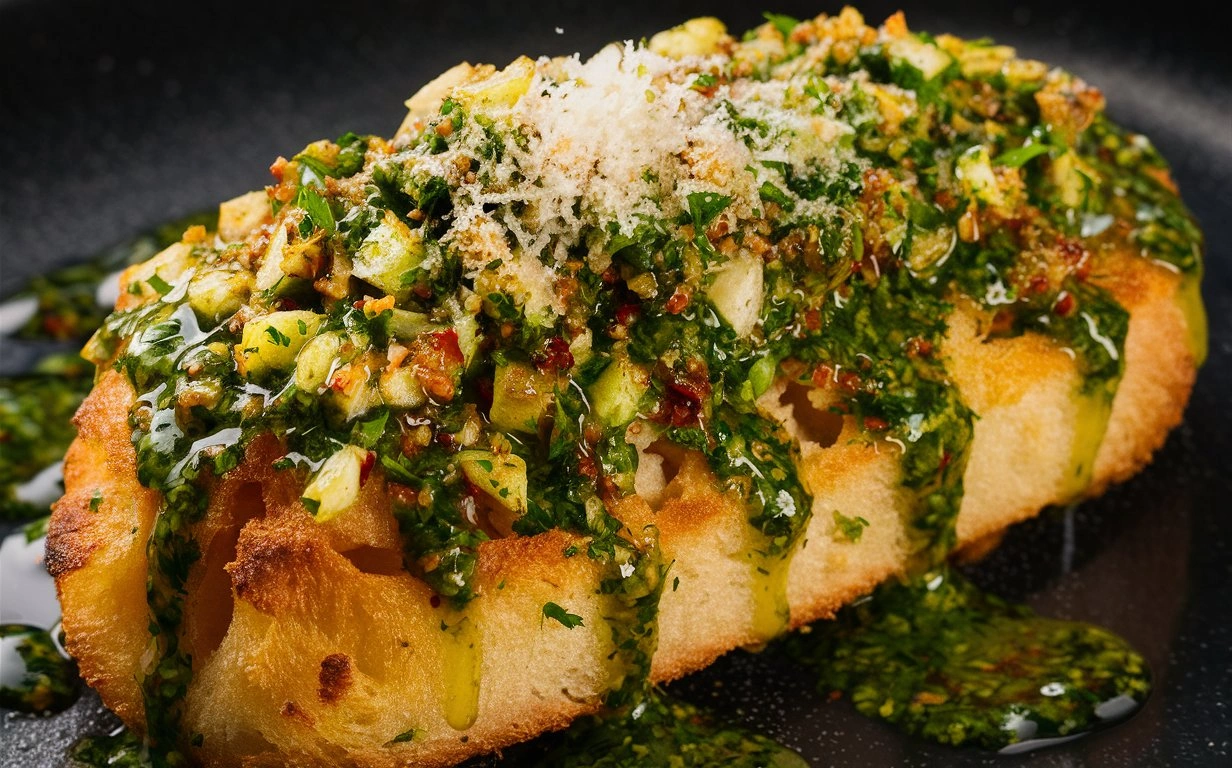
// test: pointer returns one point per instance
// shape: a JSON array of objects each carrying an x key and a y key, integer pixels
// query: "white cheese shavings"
[{"x": 595, "y": 148}]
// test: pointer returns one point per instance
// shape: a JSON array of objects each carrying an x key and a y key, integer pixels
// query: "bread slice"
[
  {"x": 314, "y": 647},
  {"x": 311, "y": 645}
]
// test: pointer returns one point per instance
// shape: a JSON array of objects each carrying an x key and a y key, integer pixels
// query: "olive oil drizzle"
[
  {"x": 1195, "y": 315},
  {"x": 771, "y": 610},
  {"x": 461, "y": 656}
]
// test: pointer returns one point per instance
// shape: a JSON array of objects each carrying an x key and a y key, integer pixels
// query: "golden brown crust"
[
  {"x": 1152, "y": 401},
  {"x": 97, "y": 549},
  {"x": 312, "y": 646}
]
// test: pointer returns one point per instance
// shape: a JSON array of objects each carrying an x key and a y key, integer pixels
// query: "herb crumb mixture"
[{"x": 554, "y": 265}]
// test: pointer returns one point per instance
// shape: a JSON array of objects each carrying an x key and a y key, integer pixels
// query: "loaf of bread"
[{"x": 600, "y": 370}]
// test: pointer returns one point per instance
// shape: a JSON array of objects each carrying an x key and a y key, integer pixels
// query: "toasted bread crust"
[{"x": 312, "y": 646}]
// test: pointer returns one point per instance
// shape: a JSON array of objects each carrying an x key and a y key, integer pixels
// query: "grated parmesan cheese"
[{"x": 598, "y": 147}]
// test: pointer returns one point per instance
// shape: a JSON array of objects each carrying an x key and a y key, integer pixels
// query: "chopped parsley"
[{"x": 566, "y": 619}]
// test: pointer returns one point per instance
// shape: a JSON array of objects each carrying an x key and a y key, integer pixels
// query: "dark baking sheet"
[{"x": 117, "y": 117}]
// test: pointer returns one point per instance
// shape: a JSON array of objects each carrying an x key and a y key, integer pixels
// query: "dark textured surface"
[{"x": 115, "y": 119}]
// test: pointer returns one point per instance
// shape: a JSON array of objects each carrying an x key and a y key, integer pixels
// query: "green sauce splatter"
[
  {"x": 36, "y": 427},
  {"x": 661, "y": 731},
  {"x": 120, "y": 749},
  {"x": 36, "y": 677},
  {"x": 941, "y": 659}
]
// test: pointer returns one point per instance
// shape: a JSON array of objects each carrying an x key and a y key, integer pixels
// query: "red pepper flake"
[
  {"x": 823, "y": 376},
  {"x": 57, "y": 327},
  {"x": 1072, "y": 250},
  {"x": 359, "y": 304},
  {"x": 365, "y": 468},
  {"x": 876, "y": 424},
  {"x": 812, "y": 320},
  {"x": 1037, "y": 285},
  {"x": 608, "y": 490},
  {"x": 587, "y": 467},
  {"x": 627, "y": 313},
  {"x": 685, "y": 394},
  {"x": 678, "y": 301},
  {"x": 446, "y": 343},
  {"x": 1077, "y": 255},
  {"x": 1064, "y": 305},
  {"x": 554, "y": 356},
  {"x": 945, "y": 199},
  {"x": 849, "y": 381},
  {"x": 946, "y": 458},
  {"x": 919, "y": 347}
]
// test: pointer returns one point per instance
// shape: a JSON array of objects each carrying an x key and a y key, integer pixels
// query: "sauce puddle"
[
  {"x": 938, "y": 658},
  {"x": 659, "y": 731}
]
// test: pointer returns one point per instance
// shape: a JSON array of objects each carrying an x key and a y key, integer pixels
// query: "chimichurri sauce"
[
  {"x": 35, "y": 677},
  {"x": 36, "y": 428},
  {"x": 120, "y": 749},
  {"x": 661, "y": 731},
  {"x": 939, "y": 658}
]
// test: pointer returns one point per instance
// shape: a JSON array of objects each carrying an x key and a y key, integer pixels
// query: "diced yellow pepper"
[
  {"x": 503, "y": 89},
  {"x": 502, "y": 477},
  {"x": 617, "y": 393},
  {"x": 271, "y": 342},
  {"x": 695, "y": 37},
  {"x": 520, "y": 397},
  {"x": 388, "y": 252},
  {"x": 335, "y": 486},
  {"x": 217, "y": 294}
]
